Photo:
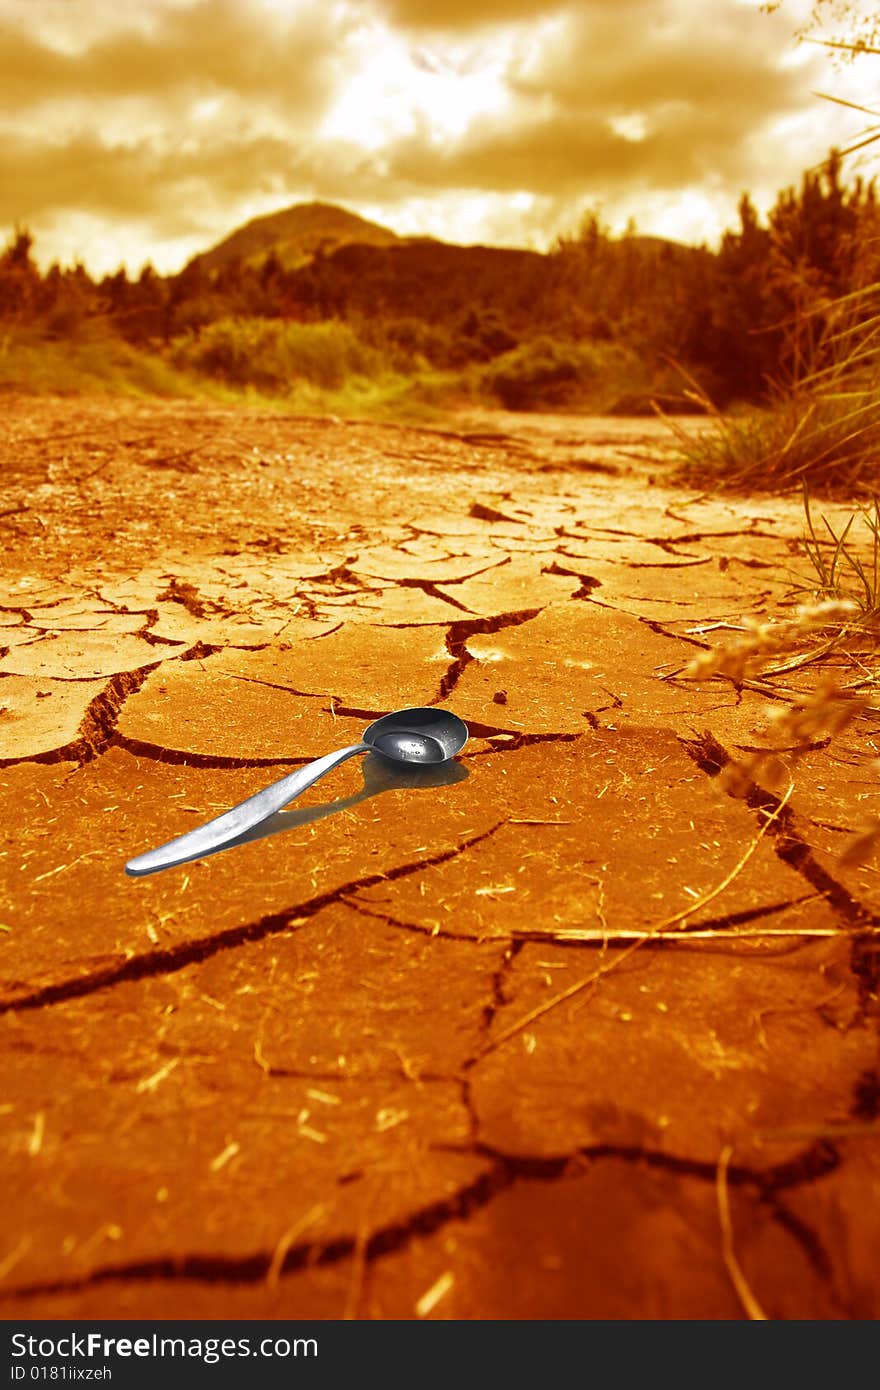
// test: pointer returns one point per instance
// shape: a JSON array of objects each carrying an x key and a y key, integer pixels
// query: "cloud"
[
  {"x": 161, "y": 114},
  {"x": 170, "y": 121},
  {"x": 287, "y": 59},
  {"x": 168, "y": 188},
  {"x": 677, "y": 104},
  {"x": 726, "y": 56},
  {"x": 445, "y": 15}
]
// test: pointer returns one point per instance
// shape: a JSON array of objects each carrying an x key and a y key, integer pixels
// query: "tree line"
[{"x": 741, "y": 318}]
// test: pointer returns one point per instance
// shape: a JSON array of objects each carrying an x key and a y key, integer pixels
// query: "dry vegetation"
[
  {"x": 602, "y": 324},
  {"x": 819, "y": 429}
]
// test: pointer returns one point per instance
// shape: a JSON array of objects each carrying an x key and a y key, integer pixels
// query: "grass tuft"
[
  {"x": 821, "y": 428},
  {"x": 843, "y": 574}
]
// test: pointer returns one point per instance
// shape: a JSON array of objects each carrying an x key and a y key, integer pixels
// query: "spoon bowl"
[{"x": 421, "y": 736}]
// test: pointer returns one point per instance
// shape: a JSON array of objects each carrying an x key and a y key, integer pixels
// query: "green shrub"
[
  {"x": 485, "y": 335},
  {"x": 407, "y": 344},
  {"x": 273, "y": 355},
  {"x": 543, "y": 374},
  {"x": 90, "y": 362}
]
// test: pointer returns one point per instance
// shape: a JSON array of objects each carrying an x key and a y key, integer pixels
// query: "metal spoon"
[{"x": 423, "y": 735}]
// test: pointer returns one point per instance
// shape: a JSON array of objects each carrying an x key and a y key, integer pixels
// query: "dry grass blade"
[
  {"x": 698, "y": 934},
  {"x": 287, "y": 1240},
  {"x": 852, "y": 105},
  {"x": 750, "y": 1304},
  {"x": 580, "y": 985},
  {"x": 737, "y": 869}
]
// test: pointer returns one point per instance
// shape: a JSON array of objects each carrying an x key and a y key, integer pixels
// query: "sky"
[{"x": 136, "y": 130}]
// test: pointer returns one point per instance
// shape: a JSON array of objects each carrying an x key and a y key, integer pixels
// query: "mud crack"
[
  {"x": 458, "y": 633},
  {"x": 187, "y": 595},
  {"x": 97, "y": 729},
  {"x": 168, "y": 960},
  {"x": 502, "y": 1171},
  {"x": 792, "y": 849}
]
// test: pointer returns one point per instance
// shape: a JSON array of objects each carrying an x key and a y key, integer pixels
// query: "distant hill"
[
  {"x": 334, "y": 264},
  {"x": 295, "y": 234}
]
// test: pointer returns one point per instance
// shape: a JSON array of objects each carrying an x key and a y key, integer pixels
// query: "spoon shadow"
[{"x": 380, "y": 775}]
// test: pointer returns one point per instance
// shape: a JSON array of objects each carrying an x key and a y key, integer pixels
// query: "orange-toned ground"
[{"x": 331, "y": 1072}]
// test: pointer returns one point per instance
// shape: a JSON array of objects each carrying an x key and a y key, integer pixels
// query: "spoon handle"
[{"x": 219, "y": 831}]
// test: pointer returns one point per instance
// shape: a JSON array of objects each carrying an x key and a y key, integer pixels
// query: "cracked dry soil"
[{"x": 408, "y": 1054}]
